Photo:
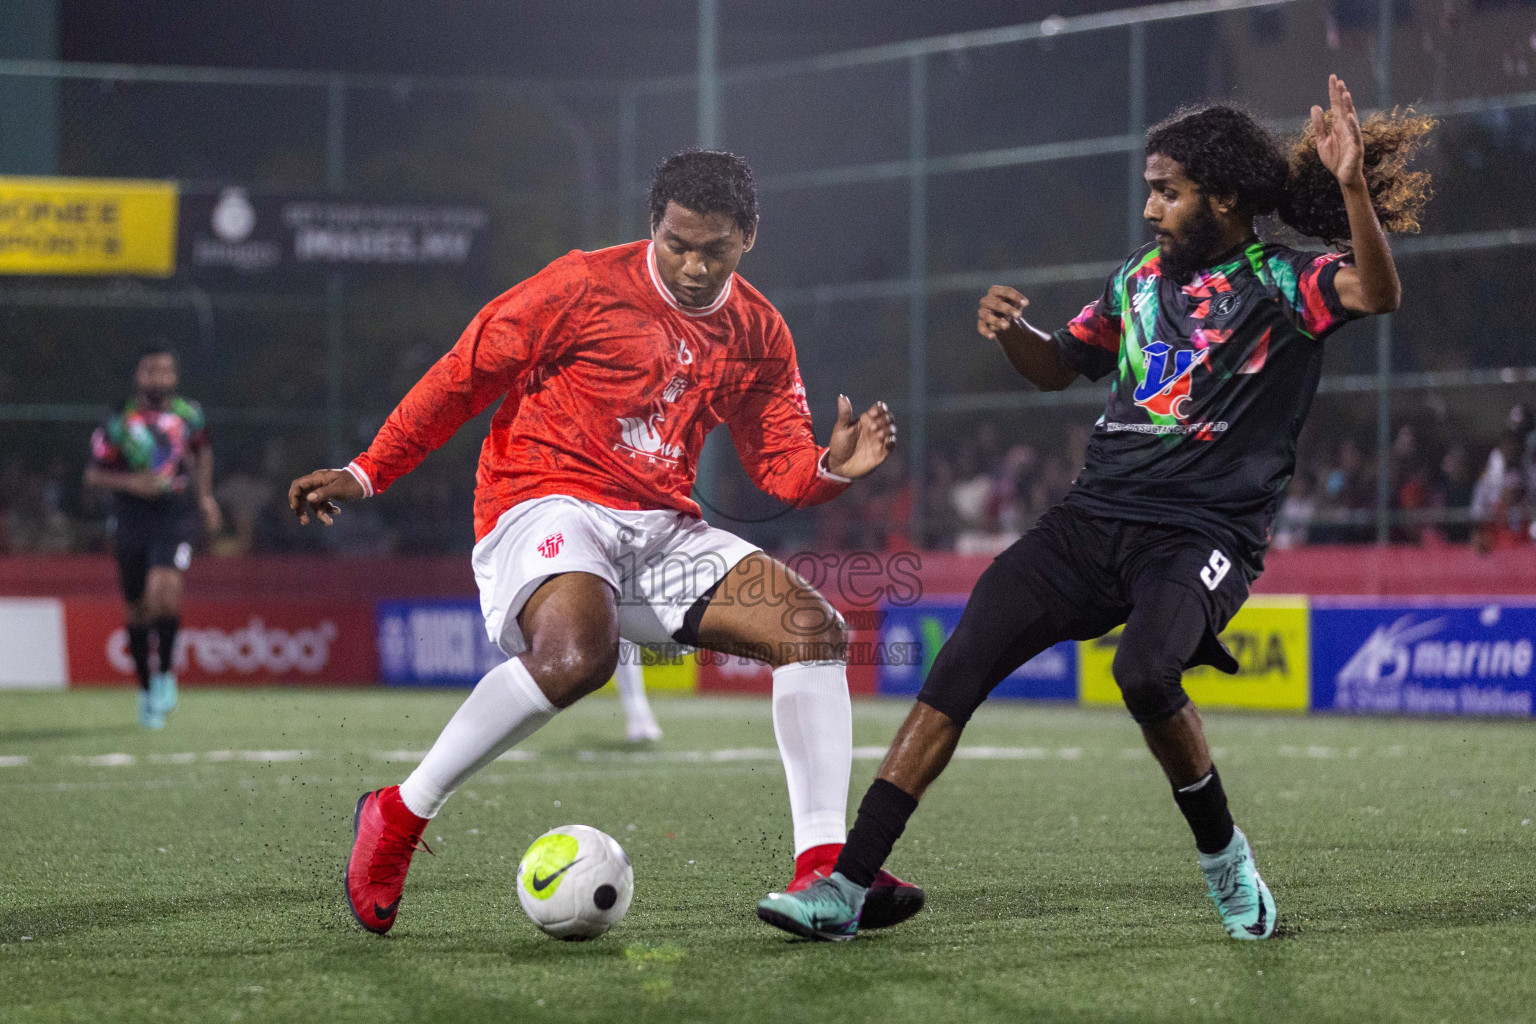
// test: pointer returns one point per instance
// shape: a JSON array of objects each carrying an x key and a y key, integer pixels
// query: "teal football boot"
[
  {"x": 1242, "y": 899},
  {"x": 828, "y": 909},
  {"x": 162, "y": 692},
  {"x": 149, "y": 715}
]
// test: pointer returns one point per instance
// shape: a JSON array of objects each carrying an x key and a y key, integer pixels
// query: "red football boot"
[
  {"x": 384, "y": 836},
  {"x": 889, "y": 901}
]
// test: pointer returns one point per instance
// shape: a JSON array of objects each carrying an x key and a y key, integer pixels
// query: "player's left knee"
[
  {"x": 1153, "y": 688},
  {"x": 815, "y": 632}
]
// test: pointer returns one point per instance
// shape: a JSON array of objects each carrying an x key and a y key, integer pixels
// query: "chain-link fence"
[{"x": 897, "y": 181}]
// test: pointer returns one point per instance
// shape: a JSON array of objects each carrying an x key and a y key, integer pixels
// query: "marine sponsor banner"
[
  {"x": 442, "y": 642},
  {"x": 237, "y": 233},
  {"x": 910, "y": 638},
  {"x": 1271, "y": 639},
  {"x": 1461, "y": 658},
  {"x": 87, "y": 226},
  {"x": 233, "y": 642}
]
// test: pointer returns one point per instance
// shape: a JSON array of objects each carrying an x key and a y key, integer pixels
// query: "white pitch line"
[
  {"x": 106, "y": 760},
  {"x": 766, "y": 754}
]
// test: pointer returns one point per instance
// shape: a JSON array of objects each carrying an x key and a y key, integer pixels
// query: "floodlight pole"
[
  {"x": 916, "y": 433},
  {"x": 1384, "y": 13},
  {"x": 1136, "y": 124},
  {"x": 709, "y": 74},
  {"x": 712, "y": 454},
  {"x": 335, "y": 299}
]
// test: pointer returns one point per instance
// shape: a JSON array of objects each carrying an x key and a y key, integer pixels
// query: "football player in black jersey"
[{"x": 1216, "y": 339}]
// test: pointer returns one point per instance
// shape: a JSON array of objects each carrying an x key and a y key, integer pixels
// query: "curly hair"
[
  {"x": 1313, "y": 204},
  {"x": 1226, "y": 151},
  {"x": 706, "y": 181}
]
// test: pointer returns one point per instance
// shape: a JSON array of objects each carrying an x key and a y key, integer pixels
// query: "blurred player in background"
[
  {"x": 640, "y": 725},
  {"x": 1216, "y": 340},
  {"x": 610, "y": 368},
  {"x": 155, "y": 458}
]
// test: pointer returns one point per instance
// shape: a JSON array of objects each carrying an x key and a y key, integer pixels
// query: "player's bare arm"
[
  {"x": 1371, "y": 285},
  {"x": 858, "y": 446},
  {"x": 321, "y": 494},
  {"x": 213, "y": 518},
  {"x": 1032, "y": 352},
  {"x": 141, "y": 484}
]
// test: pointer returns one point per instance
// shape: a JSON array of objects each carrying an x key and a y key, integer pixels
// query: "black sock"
[
  {"x": 138, "y": 646},
  {"x": 882, "y": 818},
  {"x": 165, "y": 631},
  {"x": 1205, "y": 808}
]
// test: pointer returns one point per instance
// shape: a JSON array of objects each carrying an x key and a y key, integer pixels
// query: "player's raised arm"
[
  {"x": 529, "y": 325},
  {"x": 771, "y": 429},
  {"x": 1371, "y": 285},
  {"x": 1035, "y": 354}
]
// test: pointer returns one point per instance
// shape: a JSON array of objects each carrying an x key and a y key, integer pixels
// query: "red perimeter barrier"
[
  {"x": 300, "y": 618},
  {"x": 858, "y": 580}
]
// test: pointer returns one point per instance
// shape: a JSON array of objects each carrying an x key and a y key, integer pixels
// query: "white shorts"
[{"x": 659, "y": 562}]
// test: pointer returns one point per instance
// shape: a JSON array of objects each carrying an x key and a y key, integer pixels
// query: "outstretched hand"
[
  {"x": 1338, "y": 135},
  {"x": 858, "y": 446},
  {"x": 999, "y": 310},
  {"x": 321, "y": 493}
]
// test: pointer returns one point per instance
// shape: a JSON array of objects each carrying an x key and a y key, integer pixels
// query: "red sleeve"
[
  {"x": 771, "y": 429},
  {"x": 1090, "y": 344},
  {"x": 1321, "y": 310},
  {"x": 525, "y": 327},
  {"x": 104, "y": 452}
]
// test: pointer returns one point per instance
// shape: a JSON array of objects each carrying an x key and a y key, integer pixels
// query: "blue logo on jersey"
[{"x": 1163, "y": 390}]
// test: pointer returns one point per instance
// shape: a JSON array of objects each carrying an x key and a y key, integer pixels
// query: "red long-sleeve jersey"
[{"x": 607, "y": 387}]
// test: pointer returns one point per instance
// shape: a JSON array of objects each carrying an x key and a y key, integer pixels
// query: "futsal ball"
[{"x": 575, "y": 882}]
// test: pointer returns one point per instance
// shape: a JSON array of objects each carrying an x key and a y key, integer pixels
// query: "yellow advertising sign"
[
  {"x": 1271, "y": 639},
  {"x": 87, "y": 226},
  {"x": 667, "y": 675}
]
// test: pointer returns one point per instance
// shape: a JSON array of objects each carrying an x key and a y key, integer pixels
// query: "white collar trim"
[{"x": 671, "y": 300}]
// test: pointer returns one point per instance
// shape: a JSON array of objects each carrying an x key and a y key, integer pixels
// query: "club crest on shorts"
[{"x": 549, "y": 547}]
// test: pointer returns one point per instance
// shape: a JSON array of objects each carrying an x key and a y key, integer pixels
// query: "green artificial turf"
[{"x": 200, "y": 882}]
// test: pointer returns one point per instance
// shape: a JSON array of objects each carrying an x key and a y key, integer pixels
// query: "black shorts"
[
  {"x": 146, "y": 542},
  {"x": 1075, "y": 577}
]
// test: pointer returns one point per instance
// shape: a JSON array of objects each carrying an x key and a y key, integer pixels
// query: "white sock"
[
  {"x": 505, "y": 708},
  {"x": 813, "y": 720},
  {"x": 631, "y": 685}
]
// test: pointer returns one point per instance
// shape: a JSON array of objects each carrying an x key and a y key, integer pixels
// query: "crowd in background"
[{"x": 981, "y": 493}]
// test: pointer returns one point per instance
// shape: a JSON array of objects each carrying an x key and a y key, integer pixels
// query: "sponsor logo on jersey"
[
  {"x": 550, "y": 546},
  {"x": 675, "y": 388},
  {"x": 1165, "y": 386},
  {"x": 641, "y": 435},
  {"x": 1223, "y": 305}
]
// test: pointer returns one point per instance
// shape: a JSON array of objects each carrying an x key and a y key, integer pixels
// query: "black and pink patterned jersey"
[{"x": 1214, "y": 378}]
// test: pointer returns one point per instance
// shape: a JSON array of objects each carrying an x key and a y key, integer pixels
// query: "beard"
[
  {"x": 1193, "y": 251},
  {"x": 156, "y": 397}
]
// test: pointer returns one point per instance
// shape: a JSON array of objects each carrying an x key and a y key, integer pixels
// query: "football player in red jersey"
[{"x": 610, "y": 368}]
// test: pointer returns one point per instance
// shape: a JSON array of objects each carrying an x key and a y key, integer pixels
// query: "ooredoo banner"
[
  {"x": 1472, "y": 658},
  {"x": 233, "y": 642}
]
